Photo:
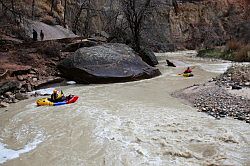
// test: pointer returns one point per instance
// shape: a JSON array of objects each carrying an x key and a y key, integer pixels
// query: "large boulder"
[
  {"x": 149, "y": 57},
  {"x": 107, "y": 63}
]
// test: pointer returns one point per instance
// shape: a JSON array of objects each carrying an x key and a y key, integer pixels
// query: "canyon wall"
[{"x": 193, "y": 24}]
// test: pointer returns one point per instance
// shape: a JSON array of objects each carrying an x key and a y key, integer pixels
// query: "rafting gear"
[{"x": 47, "y": 101}]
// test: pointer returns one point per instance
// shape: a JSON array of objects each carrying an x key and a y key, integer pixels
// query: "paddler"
[
  {"x": 188, "y": 70},
  {"x": 57, "y": 96}
]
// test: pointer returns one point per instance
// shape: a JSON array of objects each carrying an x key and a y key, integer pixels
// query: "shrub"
[
  {"x": 210, "y": 53},
  {"x": 233, "y": 45},
  {"x": 50, "y": 49},
  {"x": 243, "y": 55}
]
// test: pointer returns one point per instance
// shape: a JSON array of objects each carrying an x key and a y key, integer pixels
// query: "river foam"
[{"x": 9, "y": 154}]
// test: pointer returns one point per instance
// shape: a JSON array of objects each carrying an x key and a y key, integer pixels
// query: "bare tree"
[
  {"x": 33, "y": 9},
  {"x": 77, "y": 17},
  {"x": 135, "y": 12},
  {"x": 11, "y": 9},
  {"x": 91, "y": 11}
]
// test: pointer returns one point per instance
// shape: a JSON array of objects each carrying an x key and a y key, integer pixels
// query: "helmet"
[{"x": 55, "y": 91}]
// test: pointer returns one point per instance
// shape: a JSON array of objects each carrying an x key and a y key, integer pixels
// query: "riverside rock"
[
  {"x": 3, "y": 104},
  {"x": 111, "y": 62},
  {"x": 21, "y": 96},
  {"x": 149, "y": 57},
  {"x": 8, "y": 86}
]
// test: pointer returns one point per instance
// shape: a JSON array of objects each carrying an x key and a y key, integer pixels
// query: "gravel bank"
[{"x": 226, "y": 95}]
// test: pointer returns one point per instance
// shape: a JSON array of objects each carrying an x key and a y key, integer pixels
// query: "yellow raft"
[
  {"x": 187, "y": 75},
  {"x": 46, "y": 102}
]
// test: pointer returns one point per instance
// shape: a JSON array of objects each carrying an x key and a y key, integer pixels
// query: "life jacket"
[
  {"x": 57, "y": 96},
  {"x": 188, "y": 71}
]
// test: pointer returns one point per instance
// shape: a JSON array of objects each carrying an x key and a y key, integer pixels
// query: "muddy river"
[{"x": 134, "y": 123}]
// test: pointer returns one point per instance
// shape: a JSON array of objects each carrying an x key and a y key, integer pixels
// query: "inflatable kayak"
[
  {"x": 47, "y": 102},
  {"x": 187, "y": 75}
]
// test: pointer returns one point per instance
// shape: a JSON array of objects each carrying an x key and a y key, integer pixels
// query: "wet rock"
[
  {"x": 8, "y": 94},
  {"x": 111, "y": 62},
  {"x": 8, "y": 86},
  {"x": 236, "y": 87},
  {"x": 149, "y": 57},
  {"x": 247, "y": 84},
  {"x": 21, "y": 96},
  {"x": 204, "y": 109},
  {"x": 241, "y": 118},
  {"x": 3, "y": 104}
]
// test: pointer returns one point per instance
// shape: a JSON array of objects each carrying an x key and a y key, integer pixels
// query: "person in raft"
[
  {"x": 188, "y": 70},
  {"x": 57, "y": 96}
]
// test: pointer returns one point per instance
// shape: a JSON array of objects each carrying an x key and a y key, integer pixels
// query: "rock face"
[
  {"x": 196, "y": 23},
  {"x": 208, "y": 23},
  {"x": 106, "y": 63}
]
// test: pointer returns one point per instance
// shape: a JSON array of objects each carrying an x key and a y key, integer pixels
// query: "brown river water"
[{"x": 134, "y": 123}]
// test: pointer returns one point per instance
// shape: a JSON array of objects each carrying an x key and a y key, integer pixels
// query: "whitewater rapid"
[{"x": 134, "y": 123}]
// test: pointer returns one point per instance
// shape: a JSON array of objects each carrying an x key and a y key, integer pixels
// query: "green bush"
[
  {"x": 211, "y": 53},
  {"x": 242, "y": 54}
]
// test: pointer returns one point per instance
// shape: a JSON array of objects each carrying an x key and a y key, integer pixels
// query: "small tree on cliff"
[{"x": 135, "y": 12}]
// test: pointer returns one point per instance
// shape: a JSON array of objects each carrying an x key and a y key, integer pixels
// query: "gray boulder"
[
  {"x": 21, "y": 96},
  {"x": 107, "y": 63},
  {"x": 149, "y": 57},
  {"x": 9, "y": 86}
]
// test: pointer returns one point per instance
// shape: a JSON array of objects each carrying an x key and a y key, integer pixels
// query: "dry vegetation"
[
  {"x": 240, "y": 51},
  {"x": 243, "y": 54},
  {"x": 234, "y": 51},
  {"x": 233, "y": 45}
]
